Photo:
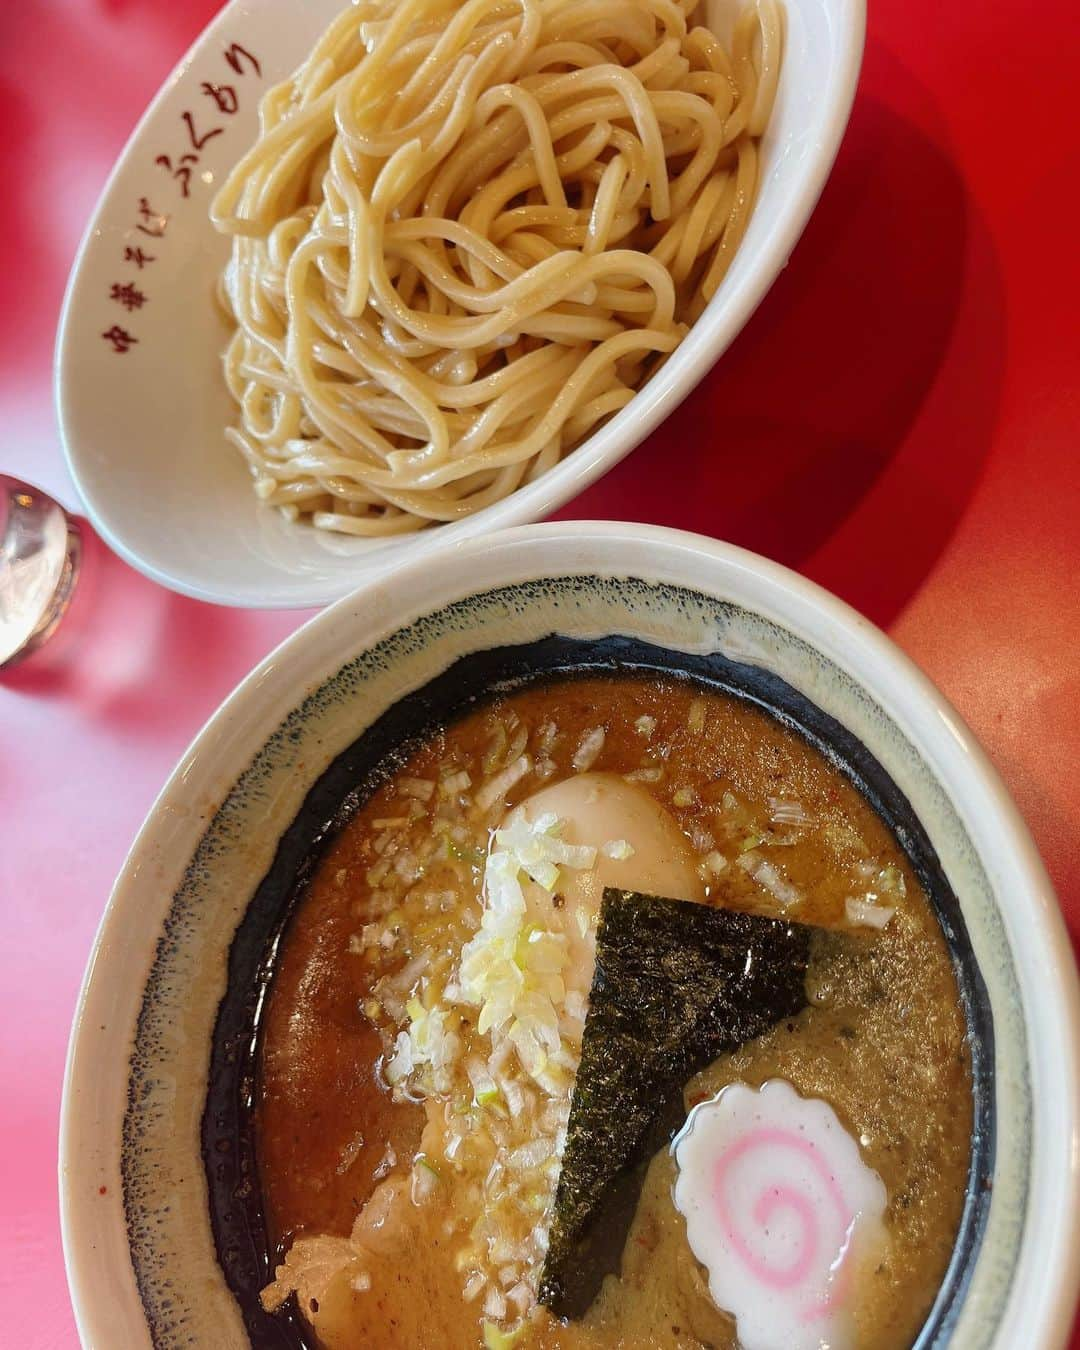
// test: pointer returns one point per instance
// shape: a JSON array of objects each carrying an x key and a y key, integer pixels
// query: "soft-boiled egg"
[
  {"x": 529, "y": 967},
  {"x": 639, "y": 847}
]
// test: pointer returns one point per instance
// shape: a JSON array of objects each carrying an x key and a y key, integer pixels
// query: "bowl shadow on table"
[{"x": 852, "y": 416}]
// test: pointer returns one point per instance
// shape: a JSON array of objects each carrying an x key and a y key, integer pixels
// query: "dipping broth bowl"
[{"x": 160, "y": 1224}]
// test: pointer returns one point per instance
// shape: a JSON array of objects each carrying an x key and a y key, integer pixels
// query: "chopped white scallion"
[
  {"x": 890, "y": 880},
  {"x": 783, "y": 811},
  {"x": 766, "y": 876},
  {"x": 427, "y": 1042},
  {"x": 652, "y": 774},
  {"x": 522, "y": 1297},
  {"x": 701, "y": 839},
  {"x": 514, "y": 1095},
  {"x": 588, "y": 751},
  {"x": 501, "y": 1056},
  {"x": 496, "y": 788},
  {"x": 645, "y": 726},
  {"x": 399, "y": 1066},
  {"x": 865, "y": 914},
  {"x": 530, "y": 1155},
  {"x": 473, "y": 1286},
  {"x": 533, "y": 1056},
  {"x": 715, "y": 862},
  {"x": 425, "y": 1181},
  {"x": 455, "y": 783},
  {"x": 511, "y": 972},
  {"x": 618, "y": 850},
  {"x": 518, "y": 742},
  {"x": 494, "y": 1303}
]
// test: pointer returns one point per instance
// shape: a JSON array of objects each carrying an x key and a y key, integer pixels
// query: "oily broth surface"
[{"x": 883, "y": 1041}]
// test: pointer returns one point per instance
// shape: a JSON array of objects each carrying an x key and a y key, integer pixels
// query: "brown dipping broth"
[{"x": 883, "y": 1040}]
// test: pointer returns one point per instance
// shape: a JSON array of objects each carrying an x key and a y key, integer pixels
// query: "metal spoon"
[{"x": 40, "y": 557}]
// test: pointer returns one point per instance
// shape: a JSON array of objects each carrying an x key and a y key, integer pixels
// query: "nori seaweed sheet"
[{"x": 676, "y": 984}]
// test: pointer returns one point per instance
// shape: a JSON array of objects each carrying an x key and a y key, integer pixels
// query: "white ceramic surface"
[
  {"x": 143, "y": 428},
  {"x": 213, "y": 831}
]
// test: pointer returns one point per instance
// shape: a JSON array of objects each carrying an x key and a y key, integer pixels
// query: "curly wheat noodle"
[{"x": 467, "y": 233}]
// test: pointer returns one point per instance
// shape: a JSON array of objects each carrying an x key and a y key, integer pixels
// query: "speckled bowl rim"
[{"x": 1025, "y": 1282}]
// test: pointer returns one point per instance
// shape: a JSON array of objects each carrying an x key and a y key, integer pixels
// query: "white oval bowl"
[
  {"x": 143, "y": 429},
  {"x": 141, "y": 1039}
]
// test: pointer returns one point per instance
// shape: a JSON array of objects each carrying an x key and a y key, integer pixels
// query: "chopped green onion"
[
  {"x": 496, "y": 1339},
  {"x": 497, "y": 749},
  {"x": 891, "y": 880}
]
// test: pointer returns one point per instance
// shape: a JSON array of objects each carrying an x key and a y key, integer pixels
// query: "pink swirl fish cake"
[{"x": 783, "y": 1213}]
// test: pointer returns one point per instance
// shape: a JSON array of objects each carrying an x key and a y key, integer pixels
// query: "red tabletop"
[{"x": 900, "y": 421}]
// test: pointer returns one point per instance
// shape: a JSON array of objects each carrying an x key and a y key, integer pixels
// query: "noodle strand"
[{"x": 468, "y": 233}]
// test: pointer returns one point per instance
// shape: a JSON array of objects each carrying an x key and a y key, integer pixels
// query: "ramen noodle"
[{"x": 468, "y": 233}]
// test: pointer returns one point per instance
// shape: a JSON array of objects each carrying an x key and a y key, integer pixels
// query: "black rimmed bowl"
[{"x": 162, "y": 1224}]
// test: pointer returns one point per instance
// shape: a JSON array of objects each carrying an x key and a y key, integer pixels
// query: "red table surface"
[{"x": 899, "y": 421}]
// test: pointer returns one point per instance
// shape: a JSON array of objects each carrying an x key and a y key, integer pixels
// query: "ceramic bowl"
[
  {"x": 142, "y": 1260},
  {"x": 142, "y": 422}
]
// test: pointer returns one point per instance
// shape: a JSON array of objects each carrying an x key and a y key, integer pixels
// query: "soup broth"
[{"x": 397, "y": 1211}]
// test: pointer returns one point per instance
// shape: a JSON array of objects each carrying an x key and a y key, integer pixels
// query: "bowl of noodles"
[
  {"x": 433, "y": 279},
  {"x": 608, "y": 940}
]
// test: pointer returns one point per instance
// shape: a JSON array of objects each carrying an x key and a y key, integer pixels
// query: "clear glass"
[{"x": 40, "y": 556}]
